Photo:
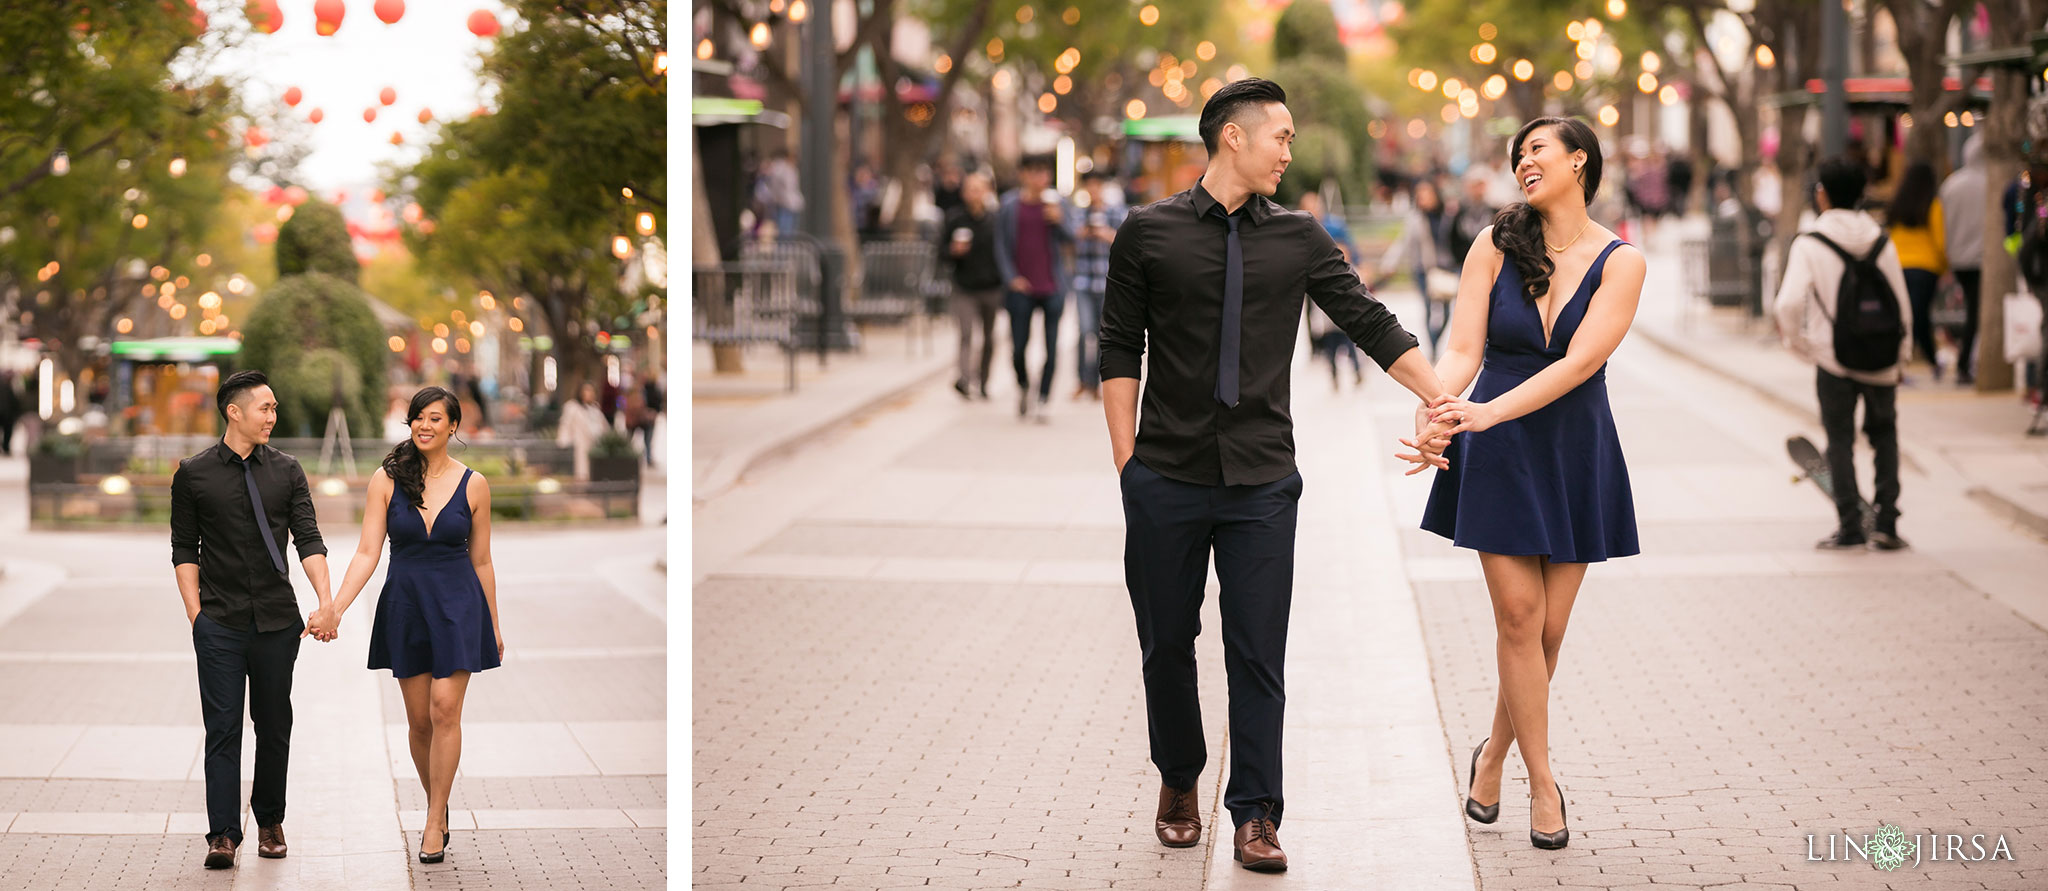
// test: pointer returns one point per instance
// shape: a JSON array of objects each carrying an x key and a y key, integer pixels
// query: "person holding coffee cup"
[{"x": 968, "y": 244}]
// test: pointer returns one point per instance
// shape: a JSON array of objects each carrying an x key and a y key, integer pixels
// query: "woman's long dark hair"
[
  {"x": 406, "y": 467},
  {"x": 1518, "y": 228},
  {"x": 1915, "y": 197}
]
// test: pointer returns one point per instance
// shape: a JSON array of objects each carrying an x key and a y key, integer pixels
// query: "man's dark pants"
[
  {"x": 1838, "y": 397},
  {"x": 231, "y": 659},
  {"x": 1170, "y": 528}
]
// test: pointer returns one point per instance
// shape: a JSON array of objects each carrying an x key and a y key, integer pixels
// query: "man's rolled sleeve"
[
  {"x": 184, "y": 520},
  {"x": 1335, "y": 287},
  {"x": 305, "y": 532},
  {"x": 1124, "y": 300}
]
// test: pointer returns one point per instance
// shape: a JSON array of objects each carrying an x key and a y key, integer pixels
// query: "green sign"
[
  {"x": 1185, "y": 128},
  {"x": 176, "y": 349}
]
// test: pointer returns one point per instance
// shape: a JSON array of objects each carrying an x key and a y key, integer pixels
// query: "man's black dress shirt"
[
  {"x": 1166, "y": 271},
  {"x": 214, "y": 525}
]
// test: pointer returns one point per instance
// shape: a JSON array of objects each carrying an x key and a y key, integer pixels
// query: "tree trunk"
[
  {"x": 2004, "y": 128},
  {"x": 1923, "y": 40}
]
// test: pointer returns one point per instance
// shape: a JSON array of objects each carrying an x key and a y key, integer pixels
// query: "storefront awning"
[{"x": 176, "y": 349}]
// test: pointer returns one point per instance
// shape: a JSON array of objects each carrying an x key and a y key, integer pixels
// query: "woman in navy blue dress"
[
  {"x": 437, "y": 619},
  {"x": 1536, "y": 482}
]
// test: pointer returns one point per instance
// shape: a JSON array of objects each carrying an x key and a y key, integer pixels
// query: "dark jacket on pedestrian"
[
  {"x": 1058, "y": 236},
  {"x": 975, "y": 270}
]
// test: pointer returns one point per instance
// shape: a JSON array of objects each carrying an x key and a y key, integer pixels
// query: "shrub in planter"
[
  {"x": 612, "y": 459},
  {"x": 56, "y": 458}
]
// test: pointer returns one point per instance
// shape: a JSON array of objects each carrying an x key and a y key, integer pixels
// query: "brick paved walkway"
[{"x": 563, "y": 781}]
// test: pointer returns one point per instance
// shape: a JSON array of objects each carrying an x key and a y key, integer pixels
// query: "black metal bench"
[
  {"x": 748, "y": 301},
  {"x": 897, "y": 285}
]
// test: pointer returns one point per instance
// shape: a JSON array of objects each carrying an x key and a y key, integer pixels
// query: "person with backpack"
[{"x": 1840, "y": 307}]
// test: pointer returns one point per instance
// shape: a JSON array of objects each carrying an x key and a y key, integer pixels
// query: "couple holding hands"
[
  {"x": 232, "y": 507},
  {"x": 1529, "y": 470}
]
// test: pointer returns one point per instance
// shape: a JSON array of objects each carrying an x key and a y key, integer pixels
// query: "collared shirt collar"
[
  {"x": 228, "y": 455},
  {"x": 1256, "y": 207}
]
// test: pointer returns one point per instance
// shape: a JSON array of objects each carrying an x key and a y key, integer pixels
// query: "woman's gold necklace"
[
  {"x": 444, "y": 471},
  {"x": 1575, "y": 239}
]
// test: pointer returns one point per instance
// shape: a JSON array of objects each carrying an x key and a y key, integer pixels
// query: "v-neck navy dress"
[
  {"x": 432, "y": 616},
  {"x": 1552, "y": 482}
]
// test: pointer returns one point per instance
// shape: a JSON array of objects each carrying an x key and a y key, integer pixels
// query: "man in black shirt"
[
  {"x": 231, "y": 508},
  {"x": 1215, "y": 278}
]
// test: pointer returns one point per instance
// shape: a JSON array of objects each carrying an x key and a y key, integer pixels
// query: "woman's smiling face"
[
  {"x": 1546, "y": 170},
  {"x": 433, "y": 428}
]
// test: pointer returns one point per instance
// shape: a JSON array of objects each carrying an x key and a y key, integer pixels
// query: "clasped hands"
[
  {"x": 324, "y": 625},
  {"x": 1436, "y": 421}
]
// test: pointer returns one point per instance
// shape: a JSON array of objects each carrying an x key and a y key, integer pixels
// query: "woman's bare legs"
[
  {"x": 1532, "y": 601},
  {"x": 433, "y": 711}
]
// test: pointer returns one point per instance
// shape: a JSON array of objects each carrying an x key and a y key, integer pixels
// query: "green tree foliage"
[
  {"x": 306, "y": 328},
  {"x": 525, "y": 201},
  {"x": 316, "y": 239},
  {"x": 110, "y": 87},
  {"x": 1330, "y": 118}
]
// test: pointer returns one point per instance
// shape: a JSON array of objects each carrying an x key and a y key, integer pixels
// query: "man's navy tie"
[
  {"x": 263, "y": 521},
  {"x": 1233, "y": 314}
]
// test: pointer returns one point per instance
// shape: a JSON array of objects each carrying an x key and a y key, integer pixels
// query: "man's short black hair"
[
  {"x": 232, "y": 389},
  {"x": 1036, "y": 162},
  {"x": 1229, "y": 103},
  {"x": 1843, "y": 179}
]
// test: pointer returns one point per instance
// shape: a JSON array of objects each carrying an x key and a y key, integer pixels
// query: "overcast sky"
[{"x": 429, "y": 58}]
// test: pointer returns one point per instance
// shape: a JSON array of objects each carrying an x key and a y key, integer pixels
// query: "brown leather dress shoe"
[
  {"x": 1258, "y": 846},
  {"x": 270, "y": 842},
  {"x": 220, "y": 853},
  {"x": 1179, "y": 824}
]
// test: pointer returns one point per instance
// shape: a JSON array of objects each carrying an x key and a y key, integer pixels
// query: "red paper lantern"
[
  {"x": 369, "y": 115},
  {"x": 254, "y": 137},
  {"x": 315, "y": 116},
  {"x": 264, "y": 16},
  {"x": 426, "y": 115},
  {"x": 390, "y": 11},
  {"x": 295, "y": 196},
  {"x": 481, "y": 23},
  {"x": 293, "y": 95},
  {"x": 376, "y": 196},
  {"x": 198, "y": 15},
  {"x": 327, "y": 16},
  {"x": 397, "y": 138},
  {"x": 264, "y": 233},
  {"x": 387, "y": 96}
]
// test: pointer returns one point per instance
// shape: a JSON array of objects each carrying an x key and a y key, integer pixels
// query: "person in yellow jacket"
[{"x": 1914, "y": 223}]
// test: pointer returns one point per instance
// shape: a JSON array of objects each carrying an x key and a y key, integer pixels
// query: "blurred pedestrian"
[
  {"x": 654, "y": 401},
  {"x": 10, "y": 410},
  {"x": 1100, "y": 218},
  {"x": 1032, "y": 225},
  {"x": 1914, "y": 223},
  {"x": 1424, "y": 246},
  {"x": 1678, "y": 176},
  {"x": 781, "y": 191},
  {"x": 947, "y": 183},
  {"x": 970, "y": 249},
  {"x": 1962, "y": 211},
  {"x": 1849, "y": 338},
  {"x": 1472, "y": 214},
  {"x": 581, "y": 424}
]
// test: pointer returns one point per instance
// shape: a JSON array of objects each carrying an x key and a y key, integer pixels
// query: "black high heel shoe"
[
  {"x": 1551, "y": 841},
  {"x": 435, "y": 857},
  {"x": 1480, "y": 813}
]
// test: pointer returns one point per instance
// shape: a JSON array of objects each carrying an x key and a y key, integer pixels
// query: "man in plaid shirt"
[{"x": 1100, "y": 219}]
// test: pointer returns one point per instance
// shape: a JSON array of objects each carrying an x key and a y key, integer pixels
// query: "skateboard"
[{"x": 1814, "y": 466}]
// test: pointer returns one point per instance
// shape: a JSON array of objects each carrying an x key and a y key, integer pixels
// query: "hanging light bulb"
[
  {"x": 60, "y": 163},
  {"x": 622, "y": 247},
  {"x": 644, "y": 223},
  {"x": 177, "y": 165}
]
